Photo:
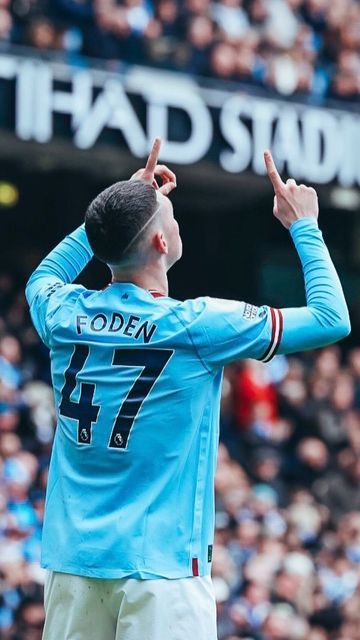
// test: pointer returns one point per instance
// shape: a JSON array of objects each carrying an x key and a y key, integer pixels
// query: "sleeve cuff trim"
[{"x": 276, "y": 334}]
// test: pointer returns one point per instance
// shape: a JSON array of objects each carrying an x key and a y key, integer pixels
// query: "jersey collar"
[{"x": 154, "y": 292}]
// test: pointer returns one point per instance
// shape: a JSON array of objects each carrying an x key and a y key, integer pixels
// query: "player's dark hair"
[{"x": 116, "y": 215}]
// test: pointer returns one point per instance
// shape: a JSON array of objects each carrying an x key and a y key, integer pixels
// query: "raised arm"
[
  {"x": 49, "y": 287},
  {"x": 325, "y": 319},
  {"x": 62, "y": 265},
  {"x": 225, "y": 331},
  {"x": 70, "y": 257}
]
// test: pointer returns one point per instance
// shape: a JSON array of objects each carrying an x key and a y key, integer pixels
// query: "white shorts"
[{"x": 80, "y": 608}]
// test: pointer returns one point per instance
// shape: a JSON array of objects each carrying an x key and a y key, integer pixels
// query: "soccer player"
[{"x": 129, "y": 520}]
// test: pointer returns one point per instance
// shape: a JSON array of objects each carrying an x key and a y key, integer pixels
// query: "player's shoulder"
[
  {"x": 195, "y": 308},
  {"x": 185, "y": 308},
  {"x": 60, "y": 297},
  {"x": 61, "y": 292}
]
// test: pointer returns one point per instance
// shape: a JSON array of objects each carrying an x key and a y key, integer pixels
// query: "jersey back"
[{"x": 137, "y": 383}]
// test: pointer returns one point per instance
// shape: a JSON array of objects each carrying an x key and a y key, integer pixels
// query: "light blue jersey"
[{"x": 137, "y": 381}]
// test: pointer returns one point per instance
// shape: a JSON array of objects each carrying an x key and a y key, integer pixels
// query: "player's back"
[{"x": 131, "y": 479}]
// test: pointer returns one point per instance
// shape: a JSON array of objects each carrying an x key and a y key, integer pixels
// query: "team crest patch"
[{"x": 250, "y": 312}]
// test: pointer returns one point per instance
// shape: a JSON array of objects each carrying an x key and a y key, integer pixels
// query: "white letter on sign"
[
  {"x": 160, "y": 98},
  {"x": 112, "y": 108},
  {"x": 236, "y": 135},
  {"x": 321, "y": 145}
]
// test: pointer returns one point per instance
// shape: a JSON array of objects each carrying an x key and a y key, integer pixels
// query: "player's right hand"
[
  {"x": 291, "y": 202},
  {"x": 153, "y": 170}
]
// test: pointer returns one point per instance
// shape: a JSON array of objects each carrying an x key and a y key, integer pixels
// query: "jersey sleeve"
[
  {"x": 224, "y": 331},
  {"x": 49, "y": 287},
  {"x": 51, "y": 296},
  {"x": 325, "y": 318}
]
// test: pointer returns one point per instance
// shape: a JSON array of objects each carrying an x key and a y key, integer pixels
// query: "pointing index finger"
[
  {"x": 153, "y": 156},
  {"x": 272, "y": 172}
]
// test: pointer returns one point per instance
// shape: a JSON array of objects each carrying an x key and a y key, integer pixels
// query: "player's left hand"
[
  {"x": 292, "y": 201},
  {"x": 153, "y": 170}
]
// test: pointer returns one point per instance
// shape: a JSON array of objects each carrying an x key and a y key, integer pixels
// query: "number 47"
[{"x": 152, "y": 362}]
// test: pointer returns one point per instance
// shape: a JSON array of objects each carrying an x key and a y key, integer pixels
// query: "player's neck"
[{"x": 153, "y": 278}]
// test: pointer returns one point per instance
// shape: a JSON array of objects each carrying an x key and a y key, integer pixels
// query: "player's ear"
[{"x": 160, "y": 243}]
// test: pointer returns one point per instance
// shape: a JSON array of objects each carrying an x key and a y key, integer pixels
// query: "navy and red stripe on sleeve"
[{"x": 277, "y": 324}]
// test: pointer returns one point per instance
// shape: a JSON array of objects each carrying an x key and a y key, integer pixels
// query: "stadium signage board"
[{"x": 42, "y": 100}]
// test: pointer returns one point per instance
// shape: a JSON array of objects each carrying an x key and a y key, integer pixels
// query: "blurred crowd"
[
  {"x": 286, "y": 562},
  {"x": 287, "y": 552},
  {"x": 292, "y": 47}
]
